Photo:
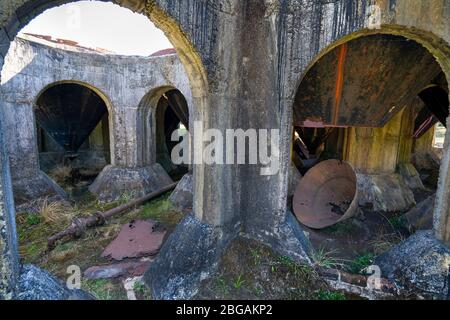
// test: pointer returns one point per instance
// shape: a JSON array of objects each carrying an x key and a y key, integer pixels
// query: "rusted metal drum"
[{"x": 326, "y": 195}]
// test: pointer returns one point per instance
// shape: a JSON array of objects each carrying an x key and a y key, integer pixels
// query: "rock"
[
  {"x": 196, "y": 247},
  {"x": 385, "y": 193},
  {"x": 113, "y": 182},
  {"x": 421, "y": 217},
  {"x": 136, "y": 239},
  {"x": 420, "y": 265},
  {"x": 133, "y": 269},
  {"x": 182, "y": 197},
  {"x": 38, "y": 284},
  {"x": 410, "y": 175}
]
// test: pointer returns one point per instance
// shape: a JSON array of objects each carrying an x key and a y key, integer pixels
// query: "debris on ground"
[
  {"x": 136, "y": 239},
  {"x": 129, "y": 269}
]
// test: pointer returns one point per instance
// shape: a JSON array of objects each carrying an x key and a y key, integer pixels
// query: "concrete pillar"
[
  {"x": 442, "y": 205},
  {"x": 9, "y": 257},
  {"x": 127, "y": 174},
  {"x": 29, "y": 182}
]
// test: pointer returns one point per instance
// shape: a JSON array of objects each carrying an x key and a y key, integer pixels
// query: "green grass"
[
  {"x": 341, "y": 229},
  {"x": 104, "y": 290},
  {"x": 329, "y": 295},
  {"x": 361, "y": 262},
  {"x": 142, "y": 291},
  {"x": 398, "y": 222},
  {"x": 237, "y": 284},
  {"x": 161, "y": 210},
  {"x": 325, "y": 259},
  {"x": 33, "y": 219}
]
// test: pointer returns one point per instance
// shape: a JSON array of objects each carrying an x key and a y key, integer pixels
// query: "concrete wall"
[{"x": 31, "y": 67}]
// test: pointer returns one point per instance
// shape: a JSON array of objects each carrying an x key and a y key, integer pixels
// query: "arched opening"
[
  {"x": 34, "y": 228},
  {"x": 163, "y": 111},
  {"x": 73, "y": 134},
  {"x": 359, "y": 105}
]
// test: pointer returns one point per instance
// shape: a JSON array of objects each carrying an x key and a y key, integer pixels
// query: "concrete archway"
[
  {"x": 350, "y": 85},
  {"x": 73, "y": 133}
]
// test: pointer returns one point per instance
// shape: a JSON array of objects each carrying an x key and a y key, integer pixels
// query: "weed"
[
  {"x": 53, "y": 212},
  {"x": 142, "y": 290},
  {"x": 256, "y": 257},
  {"x": 325, "y": 259},
  {"x": 127, "y": 197},
  {"x": 221, "y": 283},
  {"x": 33, "y": 220},
  {"x": 342, "y": 228},
  {"x": 237, "y": 284},
  {"x": 103, "y": 290},
  {"x": 329, "y": 295},
  {"x": 398, "y": 222},
  {"x": 361, "y": 262},
  {"x": 61, "y": 173}
]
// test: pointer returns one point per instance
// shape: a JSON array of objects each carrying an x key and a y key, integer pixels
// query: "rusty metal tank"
[{"x": 326, "y": 195}]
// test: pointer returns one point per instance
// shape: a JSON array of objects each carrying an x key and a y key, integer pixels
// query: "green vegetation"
[
  {"x": 361, "y": 262},
  {"x": 330, "y": 295}
]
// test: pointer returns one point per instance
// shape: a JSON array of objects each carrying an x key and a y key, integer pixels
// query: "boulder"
[{"x": 419, "y": 265}]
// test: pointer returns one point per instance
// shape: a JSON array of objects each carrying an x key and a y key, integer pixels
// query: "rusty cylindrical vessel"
[{"x": 326, "y": 195}]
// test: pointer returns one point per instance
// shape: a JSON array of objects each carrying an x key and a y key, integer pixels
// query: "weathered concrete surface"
[
  {"x": 294, "y": 179},
  {"x": 9, "y": 256},
  {"x": 410, "y": 176},
  {"x": 115, "y": 182},
  {"x": 190, "y": 255},
  {"x": 384, "y": 192},
  {"x": 441, "y": 220},
  {"x": 122, "y": 81},
  {"x": 182, "y": 196},
  {"x": 38, "y": 284},
  {"x": 35, "y": 187},
  {"x": 420, "y": 264},
  {"x": 421, "y": 216}
]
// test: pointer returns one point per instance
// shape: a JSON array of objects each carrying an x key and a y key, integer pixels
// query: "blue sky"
[{"x": 103, "y": 25}]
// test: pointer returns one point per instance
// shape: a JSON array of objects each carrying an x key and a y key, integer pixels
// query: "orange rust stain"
[{"x": 342, "y": 54}]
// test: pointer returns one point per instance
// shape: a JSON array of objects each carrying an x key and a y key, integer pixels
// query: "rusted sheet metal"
[
  {"x": 69, "y": 113},
  {"x": 436, "y": 100},
  {"x": 179, "y": 106},
  {"x": 364, "y": 82},
  {"x": 326, "y": 195},
  {"x": 136, "y": 239}
]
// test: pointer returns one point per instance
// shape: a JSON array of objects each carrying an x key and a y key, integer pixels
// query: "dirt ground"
[{"x": 248, "y": 269}]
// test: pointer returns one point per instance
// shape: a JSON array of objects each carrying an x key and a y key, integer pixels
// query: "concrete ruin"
[{"x": 247, "y": 64}]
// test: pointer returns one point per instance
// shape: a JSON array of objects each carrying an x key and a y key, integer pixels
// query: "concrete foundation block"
[
  {"x": 420, "y": 264},
  {"x": 37, "y": 187},
  {"x": 182, "y": 196},
  {"x": 385, "y": 192},
  {"x": 411, "y": 176},
  {"x": 190, "y": 255},
  {"x": 113, "y": 182},
  {"x": 38, "y": 284},
  {"x": 287, "y": 238}
]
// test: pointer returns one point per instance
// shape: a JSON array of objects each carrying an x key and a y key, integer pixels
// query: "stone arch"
[
  {"x": 188, "y": 54},
  {"x": 101, "y": 94},
  {"x": 149, "y": 123},
  {"x": 439, "y": 49}
]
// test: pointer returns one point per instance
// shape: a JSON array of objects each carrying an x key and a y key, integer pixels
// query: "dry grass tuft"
[
  {"x": 55, "y": 212},
  {"x": 61, "y": 173}
]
